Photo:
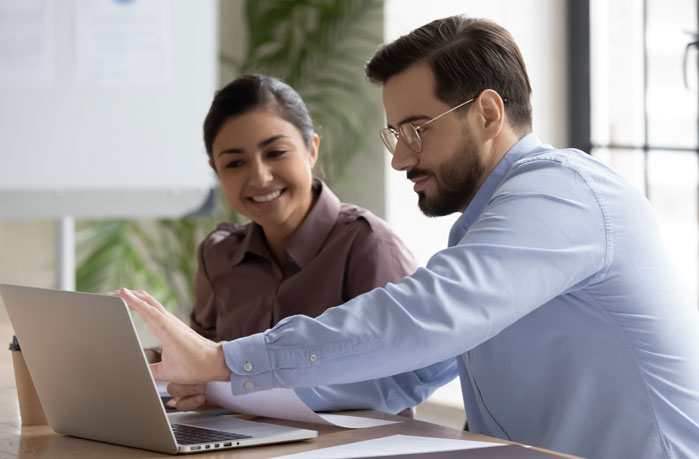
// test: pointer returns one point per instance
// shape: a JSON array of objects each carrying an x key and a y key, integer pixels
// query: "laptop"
[{"x": 93, "y": 381}]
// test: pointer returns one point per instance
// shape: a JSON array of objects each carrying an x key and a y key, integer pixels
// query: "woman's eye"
[
  {"x": 275, "y": 153},
  {"x": 234, "y": 164}
]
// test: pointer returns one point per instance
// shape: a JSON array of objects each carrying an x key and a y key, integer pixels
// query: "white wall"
[{"x": 26, "y": 254}]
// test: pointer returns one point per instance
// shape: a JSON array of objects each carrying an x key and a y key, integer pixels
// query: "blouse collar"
[{"x": 306, "y": 241}]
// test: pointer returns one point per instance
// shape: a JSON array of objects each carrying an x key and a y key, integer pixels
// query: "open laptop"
[{"x": 91, "y": 375}]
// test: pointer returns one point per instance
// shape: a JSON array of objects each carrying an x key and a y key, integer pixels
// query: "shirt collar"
[
  {"x": 306, "y": 241},
  {"x": 526, "y": 146},
  {"x": 253, "y": 242}
]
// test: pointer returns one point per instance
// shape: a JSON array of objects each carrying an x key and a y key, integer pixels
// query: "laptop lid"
[
  {"x": 88, "y": 367},
  {"x": 91, "y": 374}
]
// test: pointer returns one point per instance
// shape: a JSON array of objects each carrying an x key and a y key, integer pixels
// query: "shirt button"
[
  {"x": 314, "y": 357},
  {"x": 249, "y": 385},
  {"x": 247, "y": 366}
]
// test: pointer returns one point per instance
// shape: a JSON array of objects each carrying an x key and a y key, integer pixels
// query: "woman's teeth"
[{"x": 267, "y": 197}]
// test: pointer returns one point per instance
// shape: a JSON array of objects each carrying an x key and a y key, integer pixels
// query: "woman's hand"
[
  {"x": 187, "y": 357},
  {"x": 189, "y": 397}
]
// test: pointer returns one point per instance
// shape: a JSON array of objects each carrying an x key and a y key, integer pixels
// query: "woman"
[{"x": 303, "y": 250}]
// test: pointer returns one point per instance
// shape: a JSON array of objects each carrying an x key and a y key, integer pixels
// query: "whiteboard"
[{"x": 88, "y": 150}]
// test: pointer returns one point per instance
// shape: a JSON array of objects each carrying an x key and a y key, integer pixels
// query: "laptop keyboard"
[{"x": 190, "y": 435}]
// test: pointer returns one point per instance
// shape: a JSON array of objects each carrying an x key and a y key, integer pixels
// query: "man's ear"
[{"x": 491, "y": 113}]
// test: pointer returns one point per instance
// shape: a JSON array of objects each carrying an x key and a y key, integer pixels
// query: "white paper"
[
  {"x": 25, "y": 44},
  {"x": 387, "y": 446},
  {"x": 123, "y": 43},
  {"x": 282, "y": 404},
  {"x": 162, "y": 388},
  {"x": 353, "y": 422}
]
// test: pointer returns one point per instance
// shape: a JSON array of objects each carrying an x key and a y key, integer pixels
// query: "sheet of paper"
[
  {"x": 388, "y": 446},
  {"x": 123, "y": 43},
  {"x": 26, "y": 53},
  {"x": 282, "y": 404},
  {"x": 162, "y": 388}
]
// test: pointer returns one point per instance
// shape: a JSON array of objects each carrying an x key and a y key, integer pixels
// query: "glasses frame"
[{"x": 411, "y": 133}]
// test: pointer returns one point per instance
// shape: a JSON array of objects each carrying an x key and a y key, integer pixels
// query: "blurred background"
[{"x": 104, "y": 179}]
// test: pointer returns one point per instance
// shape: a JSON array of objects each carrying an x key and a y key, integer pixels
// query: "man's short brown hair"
[{"x": 467, "y": 56}]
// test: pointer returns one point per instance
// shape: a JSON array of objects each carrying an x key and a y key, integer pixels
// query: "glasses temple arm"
[{"x": 445, "y": 113}]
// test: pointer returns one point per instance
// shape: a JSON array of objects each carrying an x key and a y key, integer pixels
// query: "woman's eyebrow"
[
  {"x": 272, "y": 139},
  {"x": 230, "y": 151},
  {"x": 262, "y": 144}
]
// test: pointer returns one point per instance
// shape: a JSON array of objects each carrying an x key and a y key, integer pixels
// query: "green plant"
[
  {"x": 155, "y": 255},
  {"x": 318, "y": 47}
]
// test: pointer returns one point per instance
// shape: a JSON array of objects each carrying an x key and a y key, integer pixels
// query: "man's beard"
[{"x": 456, "y": 181}]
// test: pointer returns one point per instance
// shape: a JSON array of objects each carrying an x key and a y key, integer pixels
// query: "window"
[{"x": 643, "y": 111}]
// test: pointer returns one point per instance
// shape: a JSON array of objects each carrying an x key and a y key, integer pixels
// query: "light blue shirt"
[{"x": 555, "y": 302}]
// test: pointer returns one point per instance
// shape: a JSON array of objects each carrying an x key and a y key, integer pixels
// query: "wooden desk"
[{"x": 41, "y": 442}]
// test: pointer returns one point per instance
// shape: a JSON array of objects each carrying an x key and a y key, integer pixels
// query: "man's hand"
[{"x": 187, "y": 357}]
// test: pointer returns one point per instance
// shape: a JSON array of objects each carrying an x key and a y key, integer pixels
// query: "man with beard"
[{"x": 555, "y": 301}]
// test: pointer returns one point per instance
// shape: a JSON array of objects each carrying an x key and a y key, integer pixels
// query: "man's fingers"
[
  {"x": 134, "y": 302},
  {"x": 148, "y": 299},
  {"x": 182, "y": 390},
  {"x": 152, "y": 311},
  {"x": 155, "y": 316},
  {"x": 144, "y": 299},
  {"x": 156, "y": 307},
  {"x": 182, "y": 347}
]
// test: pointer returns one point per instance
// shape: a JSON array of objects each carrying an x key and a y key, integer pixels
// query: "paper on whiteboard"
[
  {"x": 25, "y": 44},
  {"x": 282, "y": 404},
  {"x": 123, "y": 43},
  {"x": 389, "y": 446}
]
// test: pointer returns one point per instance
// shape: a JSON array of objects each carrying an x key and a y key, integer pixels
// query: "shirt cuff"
[{"x": 247, "y": 358}]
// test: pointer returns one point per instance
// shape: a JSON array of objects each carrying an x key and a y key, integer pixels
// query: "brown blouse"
[{"x": 339, "y": 251}]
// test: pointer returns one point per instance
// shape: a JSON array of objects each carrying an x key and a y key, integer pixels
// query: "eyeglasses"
[{"x": 409, "y": 133}]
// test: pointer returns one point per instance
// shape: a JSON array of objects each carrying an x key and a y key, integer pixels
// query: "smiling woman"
[
  {"x": 303, "y": 250},
  {"x": 265, "y": 171}
]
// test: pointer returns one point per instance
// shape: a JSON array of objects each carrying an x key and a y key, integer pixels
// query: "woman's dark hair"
[
  {"x": 467, "y": 56},
  {"x": 251, "y": 92}
]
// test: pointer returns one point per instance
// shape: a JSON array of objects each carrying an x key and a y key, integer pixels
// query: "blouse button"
[
  {"x": 314, "y": 357},
  {"x": 247, "y": 366},
  {"x": 249, "y": 385}
]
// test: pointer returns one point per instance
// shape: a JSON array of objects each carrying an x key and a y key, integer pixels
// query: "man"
[{"x": 554, "y": 301}]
